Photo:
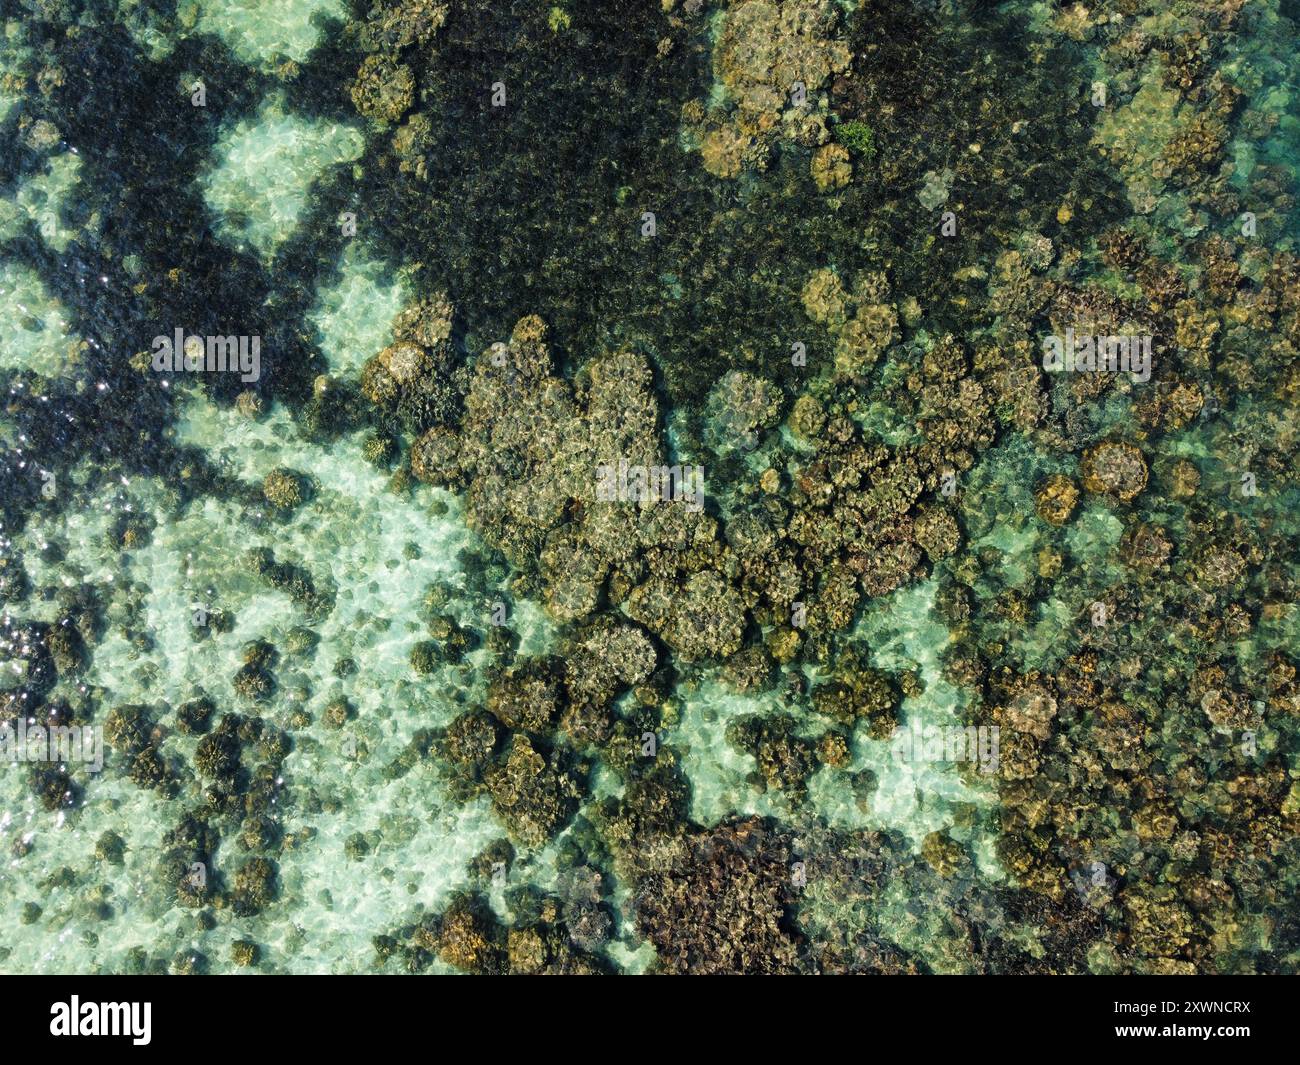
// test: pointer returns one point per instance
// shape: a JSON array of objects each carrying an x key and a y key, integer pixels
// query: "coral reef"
[
  {"x": 773, "y": 60},
  {"x": 657, "y": 537}
]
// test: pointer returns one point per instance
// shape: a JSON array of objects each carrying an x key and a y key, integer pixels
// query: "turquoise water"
[{"x": 384, "y": 683}]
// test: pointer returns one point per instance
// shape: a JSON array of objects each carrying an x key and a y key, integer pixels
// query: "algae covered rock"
[
  {"x": 383, "y": 90},
  {"x": 769, "y": 57},
  {"x": 1114, "y": 468},
  {"x": 703, "y": 619},
  {"x": 831, "y": 168},
  {"x": 726, "y": 907},
  {"x": 533, "y": 793},
  {"x": 1055, "y": 499},
  {"x": 283, "y": 489}
]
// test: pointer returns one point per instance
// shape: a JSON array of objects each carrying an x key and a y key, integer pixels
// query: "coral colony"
[{"x": 703, "y": 486}]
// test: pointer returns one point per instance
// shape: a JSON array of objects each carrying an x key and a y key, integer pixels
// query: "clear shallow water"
[{"x": 380, "y": 543}]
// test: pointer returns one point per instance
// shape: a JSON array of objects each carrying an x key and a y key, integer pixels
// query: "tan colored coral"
[
  {"x": 282, "y": 489},
  {"x": 723, "y": 151},
  {"x": 426, "y": 322},
  {"x": 1055, "y": 499},
  {"x": 435, "y": 456},
  {"x": 871, "y": 330},
  {"x": 383, "y": 90},
  {"x": 767, "y": 52},
  {"x": 394, "y": 368},
  {"x": 824, "y": 299},
  {"x": 1185, "y": 479},
  {"x": 1114, "y": 468},
  {"x": 831, "y": 168}
]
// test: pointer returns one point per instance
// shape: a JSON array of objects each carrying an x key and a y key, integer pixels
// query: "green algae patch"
[
  {"x": 259, "y": 189},
  {"x": 998, "y": 508},
  {"x": 15, "y": 57}
]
